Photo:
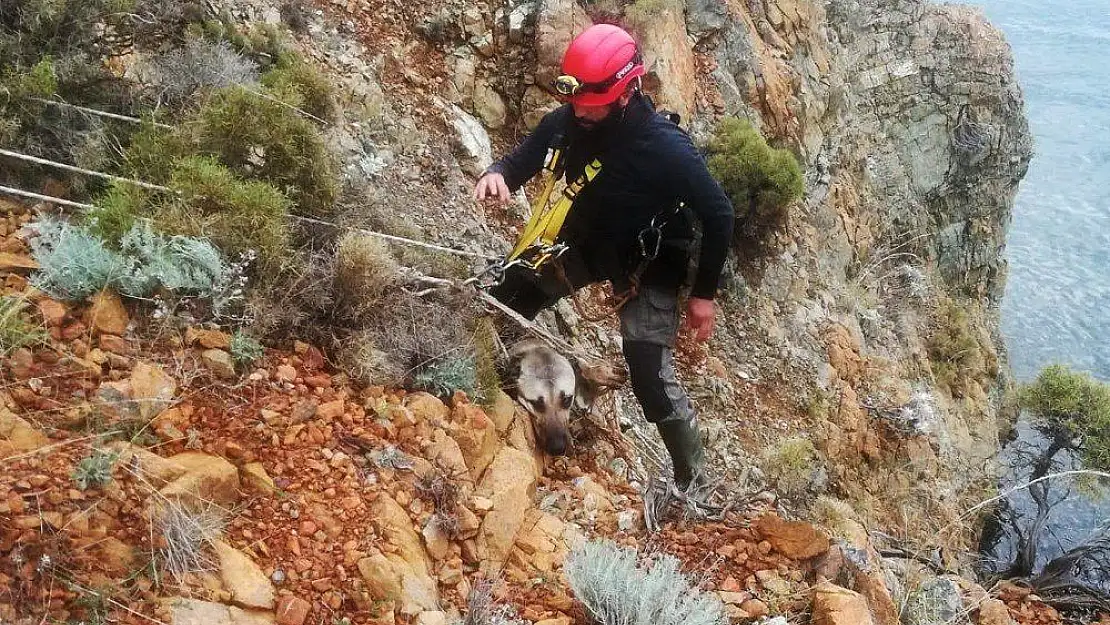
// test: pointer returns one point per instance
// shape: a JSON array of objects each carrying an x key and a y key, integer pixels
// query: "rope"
[
  {"x": 125, "y": 118},
  {"x": 87, "y": 172},
  {"x": 47, "y": 198},
  {"x": 396, "y": 239}
]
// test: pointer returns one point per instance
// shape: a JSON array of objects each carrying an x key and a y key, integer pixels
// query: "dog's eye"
[
  {"x": 565, "y": 400},
  {"x": 538, "y": 403}
]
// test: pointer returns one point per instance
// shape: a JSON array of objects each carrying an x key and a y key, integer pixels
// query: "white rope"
[
  {"x": 388, "y": 237},
  {"x": 397, "y": 239},
  {"x": 133, "y": 120},
  {"x": 87, "y": 172},
  {"x": 47, "y": 198}
]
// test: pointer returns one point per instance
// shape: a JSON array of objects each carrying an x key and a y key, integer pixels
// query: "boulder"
[
  {"x": 796, "y": 540},
  {"x": 435, "y": 541},
  {"x": 557, "y": 23},
  {"x": 432, "y": 617},
  {"x": 445, "y": 454},
  {"x": 185, "y": 611},
  {"x": 426, "y": 407},
  {"x": 477, "y": 437},
  {"x": 53, "y": 312},
  {"x": 503, "y": 411},
  {"x": 405, "y": 575},
  {"x": 17, "y": 435},
  {"x": 107, "y": 314},
  {"x": 464, "y": 77},
  {"x": 471, "y": 142},
  {"x": 535, "y": 104},
  {"x": 509, "y": 485},
  {"x": 254, "y": 477},
  {"x": 17, "y": 263},
  {"x": 248, "y": 585},
  {"x": 833, "y": 605},
  {"x": 219, "y": 363},
  {"x": 935, "y": 601},
  {"x": 152, "y": 389},
  {"x": 208, "y": 339},
  {"x": 489, "y": 106},
  {"x": 115, "y": 557},
  {"x": 207, "y": 480},
  {"x": 147, "y": 465}
]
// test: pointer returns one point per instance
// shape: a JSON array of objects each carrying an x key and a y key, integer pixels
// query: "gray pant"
[{"x": 649, "y": 328}]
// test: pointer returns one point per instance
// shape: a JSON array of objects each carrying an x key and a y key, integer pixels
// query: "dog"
[{"x": 545, "y": 383}]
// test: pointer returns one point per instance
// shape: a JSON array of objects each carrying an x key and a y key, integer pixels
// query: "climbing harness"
[{"x": 538, "y": 243}]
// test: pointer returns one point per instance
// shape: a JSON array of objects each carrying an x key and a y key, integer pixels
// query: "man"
[{"x": 632, "y": 224}]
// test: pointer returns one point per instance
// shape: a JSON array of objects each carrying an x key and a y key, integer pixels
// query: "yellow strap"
[{"x": 547, "y": 217}]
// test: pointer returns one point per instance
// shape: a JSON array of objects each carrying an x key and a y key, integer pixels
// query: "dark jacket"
[{"x": 648, "y": 165}]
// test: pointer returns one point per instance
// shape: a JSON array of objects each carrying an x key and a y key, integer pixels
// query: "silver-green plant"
[
  {"x": 616, "y": 590},
  {"x": 73, "y": 264},
  {"x": 245, "y": 350},
  {"x": 94, "y": 470}
]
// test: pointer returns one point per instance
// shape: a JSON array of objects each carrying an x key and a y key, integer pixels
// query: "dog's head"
[{"x": 545, "y": 386}]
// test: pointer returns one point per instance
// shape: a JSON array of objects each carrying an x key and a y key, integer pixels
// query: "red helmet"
[{"x": 598, "y": 66}]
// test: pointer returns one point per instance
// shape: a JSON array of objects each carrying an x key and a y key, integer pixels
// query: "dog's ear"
[
  {"x": 585, "y": 392},
  {"x": 509, "y": 370}
]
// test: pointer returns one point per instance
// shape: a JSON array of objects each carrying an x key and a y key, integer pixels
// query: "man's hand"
[
  {"x": 491, "y": 185},
  {"x": 700, "y": 314}
]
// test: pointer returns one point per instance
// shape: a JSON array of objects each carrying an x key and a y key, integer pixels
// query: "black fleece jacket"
[{"x": 648, "y": 166}]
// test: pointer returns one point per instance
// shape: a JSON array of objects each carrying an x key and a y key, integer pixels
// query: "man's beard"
[{"x": 601, "y": 127}]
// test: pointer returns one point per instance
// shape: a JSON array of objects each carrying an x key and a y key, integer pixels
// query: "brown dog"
[{"x": 545, "y": 384}]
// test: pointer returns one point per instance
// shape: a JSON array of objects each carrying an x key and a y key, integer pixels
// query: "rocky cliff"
[{"x": 856, "y": 378}]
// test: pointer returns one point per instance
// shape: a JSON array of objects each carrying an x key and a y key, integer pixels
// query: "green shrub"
[
  {"x": 956, "y": 355},
  {"x": 115, "y": 213},
  {"x": 245, "y": 351},
  {"x": 239, "y": 216},
  {"x": 73, "y": 264},
  {"x": 94, "y": 470},
  {"x": 299, "y": 84},
  {"x": 265, "y": 139},
  {"x": 1076, "y": 401},
  {"x": 16, "y": 328},
  {"x": 761, "y": 181}
]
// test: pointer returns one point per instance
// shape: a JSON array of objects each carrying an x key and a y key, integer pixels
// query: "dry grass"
[
  {"x": 187, "y": 539},
  {"x": 364, "y": 272}
]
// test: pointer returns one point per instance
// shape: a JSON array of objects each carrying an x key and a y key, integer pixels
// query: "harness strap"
[{"x": 548, "y": 217}]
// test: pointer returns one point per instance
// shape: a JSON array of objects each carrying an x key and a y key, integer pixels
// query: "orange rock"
[
  {"x": 330, "y": 410},
  {"x": 833, "y": 605},
  {"x": 208, "y": 339},
  {"x": 755, "y": 608},
  {"x": 106, "y": 313},
  {"x": 797, "y": 540},
  {"x": 53, "y": 312},
  {"x": 291, "y": 610}
]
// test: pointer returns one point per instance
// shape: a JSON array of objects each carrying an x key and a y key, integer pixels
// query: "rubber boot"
[{"x": 684, "y": 444}]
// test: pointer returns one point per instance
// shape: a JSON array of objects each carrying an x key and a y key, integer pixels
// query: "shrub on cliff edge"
[
  {"x": 1076, "y": 401},
  {"x": 761, "y": 181}
]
